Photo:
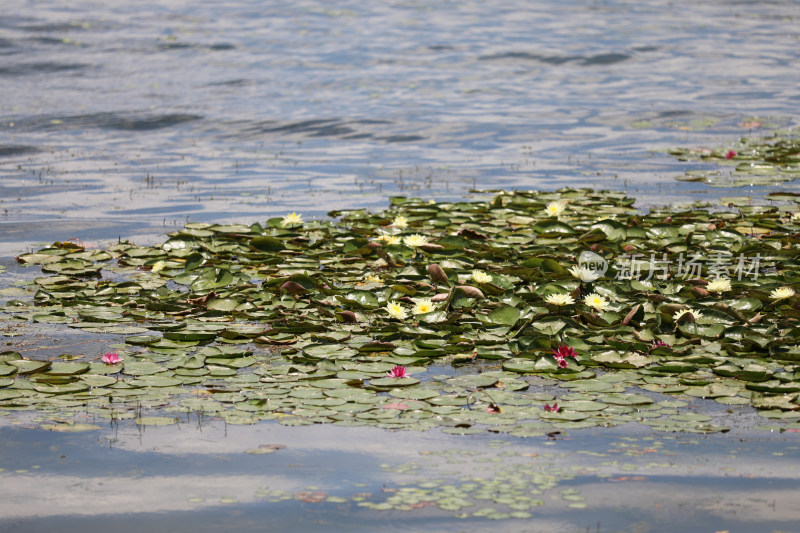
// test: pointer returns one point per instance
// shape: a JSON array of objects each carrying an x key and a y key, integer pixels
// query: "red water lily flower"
[
  {"x": 564, "y": 351},
  {"x": 731, "y": 154},
  {"x": 111, "y": 358},
  {"x": 552, "y": 408},
  {"x": 658, "y": 343},
  {"x": 397, "y": 372}
]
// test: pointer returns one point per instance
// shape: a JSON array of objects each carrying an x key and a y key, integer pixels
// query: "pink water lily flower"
[
  {"x": 659, "y": 343},
  {"x": 111, "y": 358},
  {"x": 562, "y": 363},
  {"x": 731, "y": 154},
  {"x": 552, "y": 408},
  {"x": 564, "y": 351},
  {"x": 397, "y": 372}
]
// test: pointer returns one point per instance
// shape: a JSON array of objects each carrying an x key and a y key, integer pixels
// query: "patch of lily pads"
[
  {"x": 528, "y": 314},
  {"x": 752, "y": 161}
]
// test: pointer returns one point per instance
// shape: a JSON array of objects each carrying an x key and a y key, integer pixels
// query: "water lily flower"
[
  {"x": 292, "y": 219},
  {"x": 554, "y": 209},
  {"x": 562, "y": 363},
  {"x": 781, "y": 293},
  {"x": 388, "y": 239},
  {"x": 796, "y": 217},
  {"x": 400, "y": 222},
  {"x": 719, "y": 285},
  {"x": 583, "y": 273},
  {"x": 423, "y": 305},
  {"x": 678, "y": 314},
  {"x": 158, "y": 266},
  {"x": 397, "y": 372},
  {"x": 731, "y": 154},
  {"x": 481, "y": 277},
  {"x": 559, "y": 299},
  {"x": 494, "y": 409},
  {"x": 596, "y": 302},
  {"x": 372, "y": 278},
  {"x": 659, "y": 343},
  {"x": 396, "y": 310},
  {"x": 565, "y": 351},
  {"x": 415, "y": 240},
  {"x": 111, "y": 358},
  {"x": 552, "y": 408}
]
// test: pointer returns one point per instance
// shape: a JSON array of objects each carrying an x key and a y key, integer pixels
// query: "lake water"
[
  {"x": 127, "y": 119},
  {"x": 121, "y": 118}
]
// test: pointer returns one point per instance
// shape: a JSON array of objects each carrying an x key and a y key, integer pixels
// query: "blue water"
[
  {"x": 120, "y": 118},
  {"x": 197, "y": 478}
]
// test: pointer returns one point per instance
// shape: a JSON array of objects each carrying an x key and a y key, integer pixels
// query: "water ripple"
[{"x": 158, "y": 112}]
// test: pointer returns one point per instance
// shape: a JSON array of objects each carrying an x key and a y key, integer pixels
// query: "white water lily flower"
[
  {"x": 596, "y": 302},
  {"x": 554, "y": 209},
  {"x": 481, "y": 277},
  {"x": 781, "y": 293},
  {"x": 678, "y": 314},
  {"x": 560, "y": 299},
  {"x": 292, "y": 219},
  {"x": 415, "y": 240},
  {"x": 396, "y": 310},
  {"x": 584, "y": 274},
  {"x": 796, "y": 217},
  {"x": 423, "y": 305},
  {"x": 400, "y": 222},
  {"x": 719, "y": 285}
]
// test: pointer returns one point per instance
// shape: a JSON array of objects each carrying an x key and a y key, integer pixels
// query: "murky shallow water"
[{"x": 128, "y": 120}]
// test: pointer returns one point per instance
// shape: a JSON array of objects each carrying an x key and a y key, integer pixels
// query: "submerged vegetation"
[{"x": 527, "y": 314}]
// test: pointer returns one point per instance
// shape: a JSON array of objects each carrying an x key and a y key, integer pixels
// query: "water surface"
[{"x": 131, "y": 118}]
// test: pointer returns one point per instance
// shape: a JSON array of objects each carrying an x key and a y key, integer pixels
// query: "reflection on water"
[
  {"x": 153, "y": 113},
  {"x": 201, "y": 477}
]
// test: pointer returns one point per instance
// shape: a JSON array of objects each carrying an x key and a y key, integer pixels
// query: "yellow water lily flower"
[
  {"x": 781, "y": 293},
  {"x": 371, "y": 278},
  {"x": 400, "y": 222},
  {"x": 388, "y": 239},
  {"x": 596, "y": 302},
  {"x": 481, "y": 277},
  {"x": 583, "y": 273},
  {"x": 158, "y": 266},
  {"x": 292, "y": 219},
  {"x": 415, "y": 240},
  {"x": 678, "y": 314},
  {"x": 423, "y": 305},
  {"x": 554, "y": 209},
  {"x": 719, "y": 285},
  {"x": 560, "y": 299},
  {"x": 396, "y": 310}
]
